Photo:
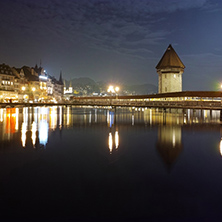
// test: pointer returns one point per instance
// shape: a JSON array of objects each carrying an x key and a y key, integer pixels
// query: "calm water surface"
[{"x": 87, "y": 164}]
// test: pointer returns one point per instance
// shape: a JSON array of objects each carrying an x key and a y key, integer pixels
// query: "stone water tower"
[{"x": 170, "y": 69}]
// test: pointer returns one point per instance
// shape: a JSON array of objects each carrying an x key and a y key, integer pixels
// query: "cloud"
[
  {"x": 174, "y": 5},
  {"x": 123, "y": 26},
  {"x": 204, "y": 60}
]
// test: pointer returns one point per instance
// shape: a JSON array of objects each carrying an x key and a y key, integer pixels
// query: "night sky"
[{"x": 119, "y": 41}]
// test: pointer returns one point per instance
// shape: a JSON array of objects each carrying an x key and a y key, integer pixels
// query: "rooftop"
[
  {"x": 5, "y": 69},
  {"x": 170, "y": 59}
]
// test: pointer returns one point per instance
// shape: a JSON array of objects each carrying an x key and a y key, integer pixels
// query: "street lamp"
[
  {"x": 113, "y": 90},
  {"x": 117, "y": 89},
  {"x": 110, "y": 89}
]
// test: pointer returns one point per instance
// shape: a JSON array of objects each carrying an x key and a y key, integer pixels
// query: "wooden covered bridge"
[
  {"x": 184, "y": 100},
  {"x": 179, "y": 100}
]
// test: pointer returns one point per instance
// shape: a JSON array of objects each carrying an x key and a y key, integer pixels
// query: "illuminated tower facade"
[{"x": 170, "y": 69}]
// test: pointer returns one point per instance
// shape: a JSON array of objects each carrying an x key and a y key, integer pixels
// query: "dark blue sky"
[{"x": 113, "y": 40}]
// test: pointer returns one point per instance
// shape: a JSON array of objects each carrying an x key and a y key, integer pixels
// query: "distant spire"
[
  {"x": 40, "y": 63},
  {"x": 70, "y": 83},
  {"x": 60, "y": 77}
]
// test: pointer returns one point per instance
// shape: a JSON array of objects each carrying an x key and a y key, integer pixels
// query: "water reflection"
[
  {"x": 34, "y": 130},
  {"x": 1, "y": 115},
  {"x": 11, "y": 120},
  {"x": 113, "y": 138},
  {"x": 117, "y": 139},
  {"x": 43, "y": 132},
  {"x": 220, "y": 146},
  {"x": 169, "y": 143},
  {"x": 36, "y": 124},
  {"x": 110, "y": 142},
  {"x": 53, "y": 117},
  {"x": 23, "y": 134}
]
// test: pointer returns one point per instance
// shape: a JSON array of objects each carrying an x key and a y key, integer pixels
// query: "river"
[{"x": 100, "y": 164}]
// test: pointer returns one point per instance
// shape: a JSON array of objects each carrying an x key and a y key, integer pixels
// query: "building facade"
[
  {"x": 29, "y": 84},
  {"x": 170, "y": 69},
  {"x": 7, "y": 83}
]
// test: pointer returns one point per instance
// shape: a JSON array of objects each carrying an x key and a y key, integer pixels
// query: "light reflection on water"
[
  {"x": 118, "y": 156},
  {"x": 41, "y": 120}
]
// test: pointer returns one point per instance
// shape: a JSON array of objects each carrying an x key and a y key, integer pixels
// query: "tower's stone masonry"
[{"x": 170, "y": 69}]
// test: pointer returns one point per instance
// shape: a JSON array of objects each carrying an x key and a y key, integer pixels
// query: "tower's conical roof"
[{"x": 170, "y": 59}]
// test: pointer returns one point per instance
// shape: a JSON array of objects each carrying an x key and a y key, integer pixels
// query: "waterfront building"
[
  {"x": 170, "y": 69},
  {"x": 52, "y": 89},
  {"x": 29, "y": 84},
  {"x": 68, "y": 91},
  {"x": 21, "y": 84},
  {"x": 32, "y": 89},
  {"x": 58, "y": 88},
  {"x": 44, "y": 83},
  {"x": 7, "y": 83}
]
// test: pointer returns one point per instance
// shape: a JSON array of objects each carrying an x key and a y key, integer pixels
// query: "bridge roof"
[
  {"x": 170, "y": 59},
  {"x": 198, "y": 94}
]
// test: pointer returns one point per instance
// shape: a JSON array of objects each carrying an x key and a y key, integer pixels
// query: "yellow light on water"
[
  {"x": 1, "y": 115},
  {"x": 221, "y": 147},
  {"x": 116, "y": 139},
  {"x": 34, "y": 129},
  {"x": 110, "y": 142},
  {"x": 23, "y": 133}
]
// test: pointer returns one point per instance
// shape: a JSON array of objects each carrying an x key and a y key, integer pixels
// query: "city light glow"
[
  {"x": 112, "y": 89},
  {"x": 43, "y": 77}
]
